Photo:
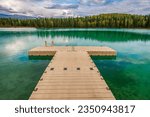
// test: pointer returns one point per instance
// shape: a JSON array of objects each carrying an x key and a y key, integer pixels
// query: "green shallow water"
[{"x": 128, "y": 75}]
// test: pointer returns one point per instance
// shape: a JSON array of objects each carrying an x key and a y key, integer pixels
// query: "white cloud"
[
  {"x": 65, "y": 8},
  {"x": 31, "y": 8},
  {"x": 122, "y": 6},
  {"x": 92, "y": 2}
]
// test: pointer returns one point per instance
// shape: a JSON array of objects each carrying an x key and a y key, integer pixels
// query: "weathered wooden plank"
[
  {"x": 71, "y": 91},
  {"x": 71, "y": 74},
  {"x": 53, "y": 96}
]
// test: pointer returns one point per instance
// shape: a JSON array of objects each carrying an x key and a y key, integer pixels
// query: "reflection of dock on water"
[{"x": 71, "y": 74}]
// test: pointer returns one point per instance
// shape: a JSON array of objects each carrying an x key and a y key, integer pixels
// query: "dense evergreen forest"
[{"x": 97, "y": 21}]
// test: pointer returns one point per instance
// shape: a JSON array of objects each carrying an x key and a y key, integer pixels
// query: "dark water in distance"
[{"x": 128, "y": 75}]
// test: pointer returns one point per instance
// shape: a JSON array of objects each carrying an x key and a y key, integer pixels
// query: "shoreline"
[{"x": 73, "y": 28}]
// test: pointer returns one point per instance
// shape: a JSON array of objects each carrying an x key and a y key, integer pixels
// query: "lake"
[{"x": 127, "y": 75}]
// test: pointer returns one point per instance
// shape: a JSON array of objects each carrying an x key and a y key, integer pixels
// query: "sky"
[{"x": 72, "y": 8}]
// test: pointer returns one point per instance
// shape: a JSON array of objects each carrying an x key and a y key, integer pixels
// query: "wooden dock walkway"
[{"x": 71, "y": 74}]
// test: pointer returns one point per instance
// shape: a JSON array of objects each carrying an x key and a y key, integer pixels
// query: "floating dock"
[{"x": 71, "y": 74}]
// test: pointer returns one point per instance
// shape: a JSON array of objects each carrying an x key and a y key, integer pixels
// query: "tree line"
[{"x": 96, "y": 21}]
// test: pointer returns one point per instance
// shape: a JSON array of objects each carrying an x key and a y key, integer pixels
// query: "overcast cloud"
[{"x": 72, "y": 8}]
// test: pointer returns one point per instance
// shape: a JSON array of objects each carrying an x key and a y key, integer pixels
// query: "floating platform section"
[{"x": 71, "y": 74}]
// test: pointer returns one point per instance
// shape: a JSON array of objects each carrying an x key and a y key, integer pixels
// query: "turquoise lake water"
[{"x": 128, "y": 76}]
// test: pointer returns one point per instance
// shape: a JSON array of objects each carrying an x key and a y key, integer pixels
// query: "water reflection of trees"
[
  {"x": 84, "y": 34},
  {"x": 103, "y": 35}
]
